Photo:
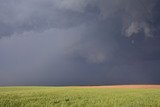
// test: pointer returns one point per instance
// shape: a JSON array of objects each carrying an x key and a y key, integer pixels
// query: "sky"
[{"x": 79, "y": 42}]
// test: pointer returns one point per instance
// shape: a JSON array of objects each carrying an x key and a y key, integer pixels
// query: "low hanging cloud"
[{"x": 136, "y": 28}]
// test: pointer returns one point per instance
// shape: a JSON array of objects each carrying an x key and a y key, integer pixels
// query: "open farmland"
[{"x": 79, "y": 97}]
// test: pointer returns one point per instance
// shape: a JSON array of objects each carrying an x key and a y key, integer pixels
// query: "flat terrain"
[
  {"x": 128, "y": 86},
  {"x": 94, "y": 96}
]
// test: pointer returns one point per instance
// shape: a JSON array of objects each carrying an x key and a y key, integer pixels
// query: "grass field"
[{"x": 78, "y": 97}]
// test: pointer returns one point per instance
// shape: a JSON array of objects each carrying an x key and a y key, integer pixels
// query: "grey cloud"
[
  {"x": 77, "y": 42},
  {"x": 78, "y": 6},
  {"x": 29, "y": 54},
  {"x": 93, "y": 51},
  {"x": 19, "y": 16},
  {"x": 137, "y": 27},
  {"x": 36, "y": 15}
]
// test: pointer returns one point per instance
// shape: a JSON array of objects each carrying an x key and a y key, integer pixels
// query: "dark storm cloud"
[
  {"x": 79, "y": 42},
  {"x": 18, "y": 16}
]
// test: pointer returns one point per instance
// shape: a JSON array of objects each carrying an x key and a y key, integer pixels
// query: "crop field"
[{"x": 78, "y": 97}]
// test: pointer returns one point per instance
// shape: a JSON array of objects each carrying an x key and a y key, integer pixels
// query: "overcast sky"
[{"x": 79, "y": 42}]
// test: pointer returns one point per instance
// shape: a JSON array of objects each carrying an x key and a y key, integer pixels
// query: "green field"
[{"x": 78, "y": 97}]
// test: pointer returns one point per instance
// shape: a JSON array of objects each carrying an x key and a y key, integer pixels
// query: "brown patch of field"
[{"x": 127, "y": 86}]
